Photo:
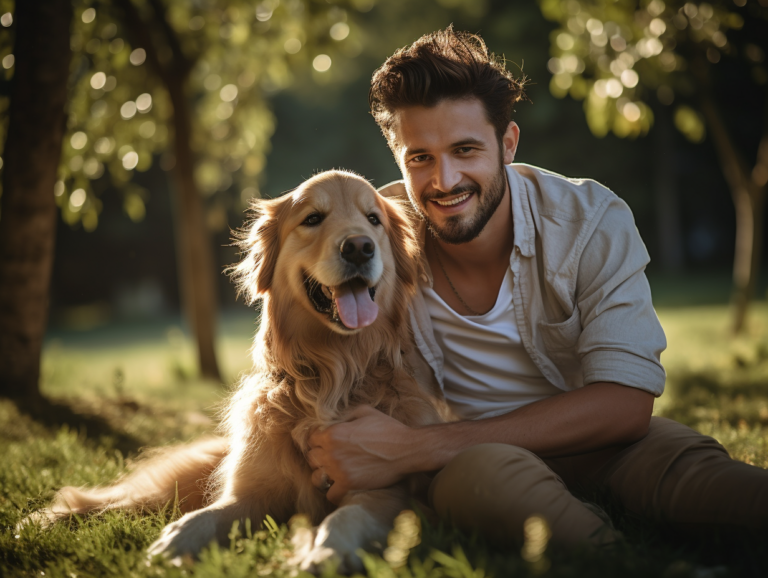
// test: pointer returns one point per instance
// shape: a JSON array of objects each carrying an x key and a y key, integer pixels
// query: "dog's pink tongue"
[{"x": 356, "y": 308}]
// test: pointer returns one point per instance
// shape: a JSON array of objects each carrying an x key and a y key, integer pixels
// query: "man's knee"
[{"x": 494, "y": 488}]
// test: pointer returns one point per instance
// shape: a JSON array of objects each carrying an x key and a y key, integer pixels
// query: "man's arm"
[{"x": 374, "y": 450}]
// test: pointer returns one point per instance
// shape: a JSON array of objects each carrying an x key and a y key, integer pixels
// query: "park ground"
[{"x": 133, "y": 384}]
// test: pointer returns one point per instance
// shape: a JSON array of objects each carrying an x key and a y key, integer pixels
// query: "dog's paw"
[
  {"x": 43, "y": 518},
  {"x": 313, "y": 553},
  {"x": 185, "y": 537}
]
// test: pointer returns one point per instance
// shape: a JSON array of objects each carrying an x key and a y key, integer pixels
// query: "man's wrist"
[{"x": 431, "y": 449}]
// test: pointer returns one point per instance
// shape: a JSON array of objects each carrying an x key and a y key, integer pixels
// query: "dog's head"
[{"x": 334, "y": 247}]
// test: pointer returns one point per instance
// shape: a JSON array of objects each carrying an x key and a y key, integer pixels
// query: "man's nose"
[{"x": 446, "y": 176}]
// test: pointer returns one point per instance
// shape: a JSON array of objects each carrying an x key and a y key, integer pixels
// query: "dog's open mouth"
[{"x": 349, "y": 304}]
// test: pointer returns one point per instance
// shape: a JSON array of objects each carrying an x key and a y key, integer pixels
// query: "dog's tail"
[{"x": 177, "y": 473}]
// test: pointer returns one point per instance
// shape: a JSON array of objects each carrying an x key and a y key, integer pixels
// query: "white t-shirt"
[{"x": 487, "y": 371}]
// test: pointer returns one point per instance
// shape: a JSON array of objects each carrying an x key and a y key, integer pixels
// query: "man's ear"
[
  {"x": 509, "y": 140},
  {"x": 402, "y": 239},
  {"x": 259, "y": 242}
]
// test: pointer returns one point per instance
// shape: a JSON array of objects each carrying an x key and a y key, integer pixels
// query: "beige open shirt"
[{"x": 582, "y": 301}]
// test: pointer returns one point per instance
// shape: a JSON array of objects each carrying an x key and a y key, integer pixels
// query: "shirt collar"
[
  {"x": 522, "y": 221},
  {"x": 521, "y": 213}
]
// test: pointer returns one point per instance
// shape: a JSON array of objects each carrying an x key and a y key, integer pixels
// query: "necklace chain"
[{"x": 455, "y": 292}]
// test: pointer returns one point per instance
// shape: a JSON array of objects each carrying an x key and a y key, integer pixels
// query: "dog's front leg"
[
  {"x": 196, "y": 530},
  {"x": 363, "y": 520}
]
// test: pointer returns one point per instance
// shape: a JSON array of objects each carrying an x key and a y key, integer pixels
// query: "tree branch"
[
  {"x": 760, "y": 172},
  {"x": 141, "y": 38},
  {"x": 734, "y": 167},
  {"x": 182, "y": 63}
]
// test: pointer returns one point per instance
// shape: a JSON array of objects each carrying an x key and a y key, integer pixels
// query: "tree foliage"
[
  {"x": 620, "y": 57},
  {"x": 239, "y": 52}
]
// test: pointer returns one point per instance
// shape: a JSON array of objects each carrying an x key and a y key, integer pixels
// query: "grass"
[{"x": 139, "y": 392}]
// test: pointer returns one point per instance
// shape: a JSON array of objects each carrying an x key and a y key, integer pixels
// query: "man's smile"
[
  {"x": 455, "y": 201},
  {"x": 453, "y": 205}
]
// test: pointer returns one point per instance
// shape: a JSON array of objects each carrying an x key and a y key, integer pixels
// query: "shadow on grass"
[
  {"x": 698, "y": 397},
  {"x": 650, "y": 549},
  {"x": 53, "y": 414}
]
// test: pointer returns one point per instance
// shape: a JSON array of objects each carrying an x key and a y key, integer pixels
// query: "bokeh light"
[
  {"x": 77, "y": 199},
  {"x": 78, "y": 140},
  {"x": 104, "y": 145},
  {"x": 98, "y": 80},
  {"x": 339, "y": 31},
  {"x": 6, "y": 19},
  {"x": 292, "y": 45},
  {"x": 322, "y": 63},
  {"x": 264, "y": 11},
  {"x": 138, "y": 57},
  {"x": 128, "y": 110},
  {"x": 88, "y": 16},
  {"x": 144, "y": 102},
  {"x": 631, "y": 112},
  {"x": 8, "y": 61},
  {"x": 228, "y": 93},
  {"x": 130, "y": 160},
  {"x": 630, "y": 78}
]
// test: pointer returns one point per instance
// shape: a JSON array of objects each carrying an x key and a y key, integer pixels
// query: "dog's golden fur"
[{"x": 309, "y": 371}]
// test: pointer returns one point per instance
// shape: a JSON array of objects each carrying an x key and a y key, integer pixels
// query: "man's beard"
[{"x": 457, "y": 228}]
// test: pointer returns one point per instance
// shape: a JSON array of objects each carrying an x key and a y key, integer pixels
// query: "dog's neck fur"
[{"x": 298, "y": 384}]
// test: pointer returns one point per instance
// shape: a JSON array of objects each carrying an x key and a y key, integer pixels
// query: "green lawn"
[{"x": 134, "y": 384}]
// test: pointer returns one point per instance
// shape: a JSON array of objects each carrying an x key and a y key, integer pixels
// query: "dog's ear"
[
  {"x": 259, "y": 242},
  {"x": 402, "y": 239}
]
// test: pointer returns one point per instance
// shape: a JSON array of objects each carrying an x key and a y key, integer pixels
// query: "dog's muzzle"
[{"x": 350, "y": 304}]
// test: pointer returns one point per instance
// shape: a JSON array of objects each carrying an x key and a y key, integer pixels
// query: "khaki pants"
[{"x": 674, "y": 476}]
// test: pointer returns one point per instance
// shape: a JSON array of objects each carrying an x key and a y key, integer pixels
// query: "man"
[{"x": 542, "y": 332}]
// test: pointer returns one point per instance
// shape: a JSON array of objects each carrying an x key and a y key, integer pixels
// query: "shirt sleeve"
[{"x": 621, "y": 339}]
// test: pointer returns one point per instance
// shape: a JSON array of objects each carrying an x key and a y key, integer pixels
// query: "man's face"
[{"x": 452, "y": 163}]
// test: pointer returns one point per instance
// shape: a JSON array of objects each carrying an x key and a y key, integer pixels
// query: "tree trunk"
[
  {"x": 748, "y": 198},
  {"x": 193, "y": 244},
  {"x": 749, "y": 242},
  {"x": 667, "y": 203},
  {"x": 196, "y": 265},
  {"x": 28, "y": 211}
]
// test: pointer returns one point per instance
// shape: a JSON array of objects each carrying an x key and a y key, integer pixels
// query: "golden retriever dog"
[{"x": 335, "y": 266}]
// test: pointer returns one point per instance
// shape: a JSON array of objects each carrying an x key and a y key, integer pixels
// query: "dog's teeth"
[{"x": 327, "y": 292}]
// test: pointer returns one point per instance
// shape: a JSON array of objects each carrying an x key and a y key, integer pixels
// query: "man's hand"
[
  {"x": 365, "y": 453},
  {"x": 375, "y": 451}
]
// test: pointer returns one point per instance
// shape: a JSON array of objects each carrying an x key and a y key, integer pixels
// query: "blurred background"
[
  {"x": 133, "y": 134},
  {"x": 664, "y": 103}
]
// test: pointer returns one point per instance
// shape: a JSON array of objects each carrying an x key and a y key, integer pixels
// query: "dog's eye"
[
  {"x": 374, "y": 220},
  {"x": 313, "y": 219}
]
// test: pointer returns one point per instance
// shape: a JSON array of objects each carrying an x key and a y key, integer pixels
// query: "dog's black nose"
[{"x": 357, "y": 249}]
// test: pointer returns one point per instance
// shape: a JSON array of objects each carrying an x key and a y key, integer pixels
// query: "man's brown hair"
[{"x": 444, "y": 65}]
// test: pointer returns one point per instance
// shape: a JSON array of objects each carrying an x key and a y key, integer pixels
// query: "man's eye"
[
  {"x": 374, "y": 220},
  {"x": 313, "y": 219},
  {"x": 419, "y": 159}
]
